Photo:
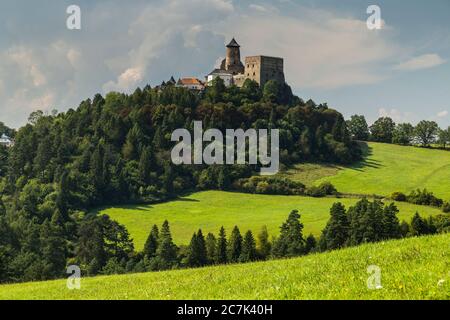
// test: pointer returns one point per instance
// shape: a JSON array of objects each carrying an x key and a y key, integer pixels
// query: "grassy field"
[
  {"x": 386, "y": 168},
  {"x": 210, "y": 210},
  {"x": 309, "y": 173},
  {"x": 416, "y": 268}
]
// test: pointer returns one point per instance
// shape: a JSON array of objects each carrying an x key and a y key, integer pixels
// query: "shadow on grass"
[
  {"x": 138, "y": 206},
  {"x": 367, "y": 151}
]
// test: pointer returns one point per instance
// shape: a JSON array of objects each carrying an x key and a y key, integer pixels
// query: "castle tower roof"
[{"x": 233, "y": 43}]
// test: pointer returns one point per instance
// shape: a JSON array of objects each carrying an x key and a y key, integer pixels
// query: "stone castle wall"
[{"x": 262, "y": 69}]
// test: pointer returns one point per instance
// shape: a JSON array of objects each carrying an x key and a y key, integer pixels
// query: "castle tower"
[{"x": 233, "y": 58}]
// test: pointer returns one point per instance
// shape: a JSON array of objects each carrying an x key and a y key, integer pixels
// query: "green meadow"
[
  {"x": 386, "y": 168},
  {"x": 210, "y": 210},
  {"x": 414, "y": 268}
]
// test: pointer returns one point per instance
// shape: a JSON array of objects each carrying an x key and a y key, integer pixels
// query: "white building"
[
  {"x": 225, "y": 75},
  {"x": 6, "y": 141}
]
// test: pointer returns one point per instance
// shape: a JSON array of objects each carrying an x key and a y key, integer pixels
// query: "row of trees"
[
  {"x": 372, "y": 222},
  {"x": 386, "y": 130},
  {"x": 422, "y": 197},
  {"x": 365, "y": 222}
]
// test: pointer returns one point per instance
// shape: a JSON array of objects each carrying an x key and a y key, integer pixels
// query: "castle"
[{"x": 258, "y": 68}]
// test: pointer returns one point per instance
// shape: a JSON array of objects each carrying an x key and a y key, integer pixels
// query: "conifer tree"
[
  {"x": 221, "y": 249},
  {"x": 197, "y": 250},
  {"x": 248, "y": 248},
  {"x": 336, "y": 233},
  {"x": 211, "y": 244},
  {"x": 151, "y": 245},
  {"x": 391, "y": 224},
  {"x": 166, "y": 253},
  {"x": 291, "y": 242},
  {"x": 419, "y": 226},
  {"x": 310, "y": 244},
  {"x": 235, "y": 245},
  {"x": 145, "y": 166},
  {"x": 53, "y": 250},
  {"x": 263, "y": 245}
]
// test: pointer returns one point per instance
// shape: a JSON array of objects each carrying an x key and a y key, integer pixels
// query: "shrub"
[
  {"x": 424, "y": 197},
  {"x": 446, "y": 207},
  {"x": 398, "y": 196},
  {"x": 269, "y": 185},
  {"x": 324, "y": 189}
]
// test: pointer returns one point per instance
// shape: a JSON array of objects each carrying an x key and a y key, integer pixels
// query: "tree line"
[
  {"x": 425, "y": 133},
  {"x": 422, "y": 197}
]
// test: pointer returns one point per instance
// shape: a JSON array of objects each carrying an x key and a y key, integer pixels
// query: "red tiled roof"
[{"x": 190, "y": 81}]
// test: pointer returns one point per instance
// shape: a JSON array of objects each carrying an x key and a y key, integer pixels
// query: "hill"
[
  {"x": 386, "y": 168},
  {"x": 210, "y": 210},
  {"x": 414, "y": 268}
]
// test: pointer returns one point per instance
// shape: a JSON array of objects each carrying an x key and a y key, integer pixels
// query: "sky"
[{"x": 401, "y": 70}]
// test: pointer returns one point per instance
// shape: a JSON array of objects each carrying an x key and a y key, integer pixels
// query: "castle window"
[{"x": 254, "y": 74}]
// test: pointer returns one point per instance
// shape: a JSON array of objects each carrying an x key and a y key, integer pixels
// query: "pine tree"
[
  {"x": 151, "y": 245},
  {"x": 248, "y": 248},
  {"x": 211, "y": 244},
  {"x": 418, "y": 225},
  {"x": 221, "y": 249},
  {"x": 235, "y": 245},
  {"x": 145, "y": 166},
  {"x": 166, "y": 253},
  {"x": 404, "y": 229},
  {"x": 336, "y": 233},
  {"x": 53, "y": 250},
  {"x": 197, "y": 250},
  {"x": 391, "y": 224},
  {"x": 355, "y": 215},
  {"x": 291, "y": 242},
  {"x": 264, "y": 246},
  {"x": 311, "y": 244},
  {"x": 373, "y": 222}
]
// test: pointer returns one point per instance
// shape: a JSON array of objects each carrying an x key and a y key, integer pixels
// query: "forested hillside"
[{"x": 116, "y": 149}]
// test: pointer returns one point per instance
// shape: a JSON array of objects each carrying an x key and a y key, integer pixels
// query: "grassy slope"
[
  {"x": 410, "y": 269},
  {"x": 389, "y": 168},
  {"x": 211, "y": 209}
]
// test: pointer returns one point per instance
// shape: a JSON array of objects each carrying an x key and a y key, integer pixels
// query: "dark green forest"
[{"x": 116, "y": 149}]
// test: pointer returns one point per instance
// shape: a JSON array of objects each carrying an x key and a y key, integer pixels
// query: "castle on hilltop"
[
  {"x": 233, "y": 72},
  {"x": 258, "y": 68}
]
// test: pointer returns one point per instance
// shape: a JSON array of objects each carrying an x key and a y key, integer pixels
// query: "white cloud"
[
  {"x": 421, "y": 62},
  {"x": 258, "y": 7},
  {"x": 128, "y": 80},
  {"x": 442, "y": 114},
  {"x": 176, "y": 25},
  {"x": 25, "y": 61},
  {"x": 397, "y": 115},
  {"x": 320, "y": 48},
  {"x": 37, "y": 78}
]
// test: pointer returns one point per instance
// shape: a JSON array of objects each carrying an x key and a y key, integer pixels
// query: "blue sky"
[{"x": 402, "y": 70}]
